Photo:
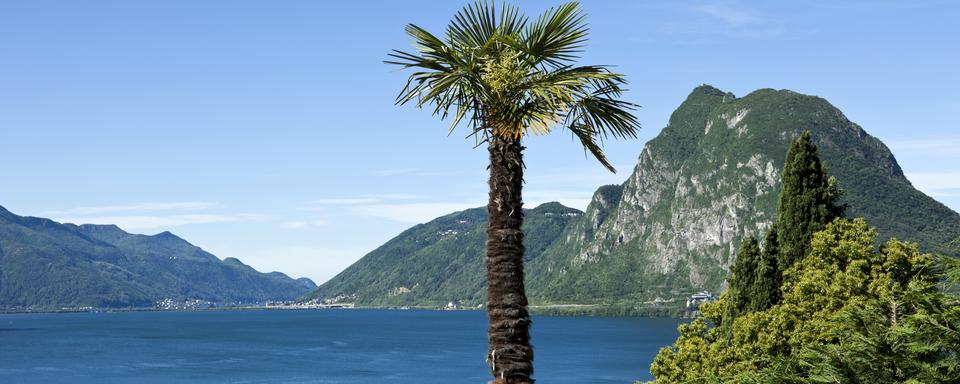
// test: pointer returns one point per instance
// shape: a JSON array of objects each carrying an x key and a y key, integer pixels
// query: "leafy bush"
[{"x": 851, "y": 313}]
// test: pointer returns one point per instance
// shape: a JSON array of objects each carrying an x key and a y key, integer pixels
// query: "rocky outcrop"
[{"x": 710, "y": 178}]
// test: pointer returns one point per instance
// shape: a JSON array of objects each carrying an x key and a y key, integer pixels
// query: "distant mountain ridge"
[
  {"x": 48, "y": 265},
  {"x": 671, "y": 229}
]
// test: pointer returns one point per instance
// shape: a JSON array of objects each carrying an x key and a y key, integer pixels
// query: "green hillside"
[
  {"x": 438, "y": 262},
  {"x": 47, "y": 265}
]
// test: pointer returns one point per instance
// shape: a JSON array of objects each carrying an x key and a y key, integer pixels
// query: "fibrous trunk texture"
[{"x": 510, "y": 355}]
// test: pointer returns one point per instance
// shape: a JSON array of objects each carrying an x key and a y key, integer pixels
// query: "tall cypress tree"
[
  {"x": 766, "y": 288},
  {"x": 743, "y": 278},
  {"x": 808, "y": 200},
  {"x": 755, "y": 276}
]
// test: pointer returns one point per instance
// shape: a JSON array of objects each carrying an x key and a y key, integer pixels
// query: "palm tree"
[{"x": 507, "y": 78}]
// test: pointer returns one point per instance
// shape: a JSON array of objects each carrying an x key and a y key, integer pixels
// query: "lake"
[{"x": 313, "y": 346}]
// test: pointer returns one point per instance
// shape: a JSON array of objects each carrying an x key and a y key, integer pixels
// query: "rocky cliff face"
[{"x": 710, "y": 178}]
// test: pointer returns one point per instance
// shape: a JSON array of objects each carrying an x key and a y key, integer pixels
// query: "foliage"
[
  {"x": 510, "y": 76},
  {"x": 766, "y": 289},
  {"x": 851, "y": 313},
  {"x": 808, "y": 200},
  {"x": 755, "y": 277},
  {"x": 744, "y": 278}
]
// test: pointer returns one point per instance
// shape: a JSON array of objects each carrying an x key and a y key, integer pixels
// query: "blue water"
[{"x": 317, "y": 346}]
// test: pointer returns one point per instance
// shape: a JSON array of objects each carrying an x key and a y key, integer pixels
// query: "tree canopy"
[
  {"x": 808, "y": 200},
  {"x": 806, "y": 203},
  {"x": 507, "y": 75},
  {"x": 851, "y": 313},
  {"x": 744, "y": 277}
]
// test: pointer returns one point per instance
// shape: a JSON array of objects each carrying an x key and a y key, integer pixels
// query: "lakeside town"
[{"x": 689, "y": 311}]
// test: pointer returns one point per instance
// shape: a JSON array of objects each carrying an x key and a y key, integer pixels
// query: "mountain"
[
  {"x": 710, "y": 178},
  {"x": 48, "y": 265},
  {"x": 305, "y": 282},
  {"x": 438, "y": 262},
  {"x": 671, "y": 229}
]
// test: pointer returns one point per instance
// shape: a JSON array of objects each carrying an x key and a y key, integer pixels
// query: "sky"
[{"x": 267, "y": 131}]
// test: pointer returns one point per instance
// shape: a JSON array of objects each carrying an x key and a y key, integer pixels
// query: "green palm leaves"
[{"x": 505, "y": 75}]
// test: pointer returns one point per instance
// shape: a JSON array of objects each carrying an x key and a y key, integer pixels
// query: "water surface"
[{"x": 313, "y": 346}]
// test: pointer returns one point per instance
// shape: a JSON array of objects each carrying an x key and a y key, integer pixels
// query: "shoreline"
[{"x": 560, "y": 310}]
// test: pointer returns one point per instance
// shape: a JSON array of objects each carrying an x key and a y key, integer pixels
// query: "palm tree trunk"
[{"x": 509, "y": 354}]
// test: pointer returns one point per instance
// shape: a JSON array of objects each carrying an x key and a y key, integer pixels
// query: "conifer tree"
[
  {"x": 755, "y": 276},
  {"x": 807, "y": 202},
  {"x": 743, "y": 279},
  {"x": 766, "y": 287},
  {"x": 851, "y": 312}
]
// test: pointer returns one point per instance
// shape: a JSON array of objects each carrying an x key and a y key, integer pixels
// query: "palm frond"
[
  {"x": 557, "y": 36},
  {"x": 602, "y": 108},
  {"x": 478, "y": 25},
  {"x": 588, "y": 138}
]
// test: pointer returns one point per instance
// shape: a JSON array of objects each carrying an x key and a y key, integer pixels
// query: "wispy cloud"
[
  {"x": 716, "y": 18},
  {"x": 411, "y": 212},
  {"x": 730, "y": 15},
  {"x": 324, "y": 204},
  {"x": 950, "y": 193},
  {"x": 874, "y": 5},
  {"x": 294, "y": 225},
  {"x": 396, "y": 196},
  {"x": 588, "y": 177},
  {"x": 343, "y": 201},
  {"x": 393, "y": 172},
  {"x": 937, "y": 184},
  {"x": 415, "y": 172},
  {"x": 137, "y": 222},
  {"x": 400, "y": 207},
  {"x": 150, "y": 215},
  {"x": 138, "y": 207},
  {"x": 943, "y": 186},
  {"x": 304, "y": 224},
  {"x": 930, "y": 146},
  {"x": 930, "y": 163}
]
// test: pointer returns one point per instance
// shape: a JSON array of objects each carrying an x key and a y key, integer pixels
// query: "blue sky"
[{"x": 267, "y": 131}]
